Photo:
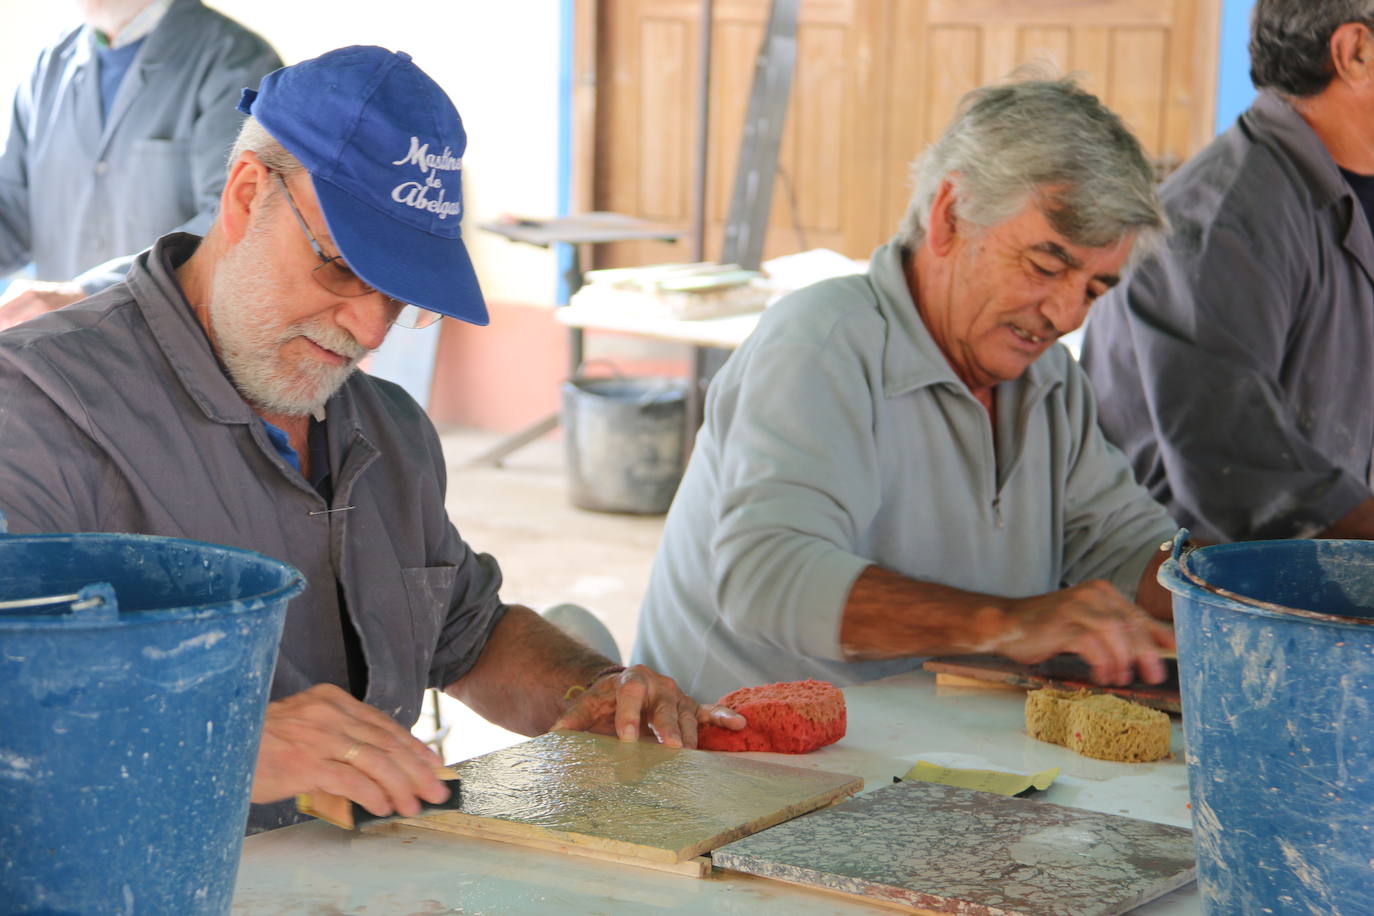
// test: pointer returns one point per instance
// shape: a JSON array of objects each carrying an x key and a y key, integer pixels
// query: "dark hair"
[{"x": 1290, "y": 42}]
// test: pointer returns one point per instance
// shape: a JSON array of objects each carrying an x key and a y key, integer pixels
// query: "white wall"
[
  {"x": 25, "y": 27},
  {"x": 497, "y": 59}
]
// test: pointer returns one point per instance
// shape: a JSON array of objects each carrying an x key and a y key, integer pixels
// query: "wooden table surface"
[{"x": 318, "y": 869}]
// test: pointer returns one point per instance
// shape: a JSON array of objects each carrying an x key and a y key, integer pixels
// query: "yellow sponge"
[{"x": 1098, "y": 725}]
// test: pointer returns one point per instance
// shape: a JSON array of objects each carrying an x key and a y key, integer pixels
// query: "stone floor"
[{"x": 549, "y": 550}]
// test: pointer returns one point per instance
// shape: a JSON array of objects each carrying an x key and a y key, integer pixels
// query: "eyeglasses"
[{"x": 334, "y": 274}]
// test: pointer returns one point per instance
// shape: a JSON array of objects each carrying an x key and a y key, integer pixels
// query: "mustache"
[
  {"x": 1044, "y": 331},
  {"x": 330, "y": 337}
]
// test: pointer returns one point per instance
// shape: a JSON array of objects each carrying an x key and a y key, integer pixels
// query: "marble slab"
[
  {"x": 638, "y": 799},
  {"x": 951, "y": 850}
]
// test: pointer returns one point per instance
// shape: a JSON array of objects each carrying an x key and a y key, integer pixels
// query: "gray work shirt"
[
  {"x": 78, "y": 189},
  {"x": 1236, "y": 368},
  {"x": 115, "y": 415},
  {"x": 838, "y": 437}
]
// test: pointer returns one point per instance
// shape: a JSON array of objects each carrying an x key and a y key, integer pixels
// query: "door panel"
[{"x": 876, "y": 80}]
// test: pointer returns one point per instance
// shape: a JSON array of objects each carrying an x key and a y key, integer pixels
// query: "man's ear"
[
  {"x": 248, "y": 184},
  {"x": 942, "y": 226},
  {"x": 1352, "y": 54}
]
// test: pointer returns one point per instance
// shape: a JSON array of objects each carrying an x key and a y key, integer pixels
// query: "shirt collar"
[
  {"x": 184, "y": 343},
  {"x": 911, "y": 358},
  {"x": 137, "y": 28},
  {"x": 1273, "y": 119}
]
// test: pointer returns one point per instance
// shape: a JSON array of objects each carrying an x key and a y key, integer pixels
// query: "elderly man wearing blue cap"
[{"x": 212, "y": 395}]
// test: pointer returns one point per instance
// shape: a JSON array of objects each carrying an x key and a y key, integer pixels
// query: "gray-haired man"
[
  {"x": 213, "y": 395},
  {"x": 903, "y": 463},
  {"x": 1236, "y": 368}
]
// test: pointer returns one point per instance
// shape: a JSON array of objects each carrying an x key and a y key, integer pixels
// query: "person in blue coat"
[{"x": 118, "y": 136}]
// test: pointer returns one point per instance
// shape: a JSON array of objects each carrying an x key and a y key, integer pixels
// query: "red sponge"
[{"x": 789, "y": 718}]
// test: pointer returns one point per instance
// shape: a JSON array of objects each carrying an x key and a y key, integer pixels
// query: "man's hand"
[
  {"x": 621, "y": 703},
  {"x": 25, "y": 299},
  {"x": 1093, "y": 620},
  {"x": 323, "y": 740}
]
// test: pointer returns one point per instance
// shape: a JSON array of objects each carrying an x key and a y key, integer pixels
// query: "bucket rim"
[
  {"x": 293, "y": 585},
  {"x": 1176, "y": 570},
  {"x": 590, "y": 383}
]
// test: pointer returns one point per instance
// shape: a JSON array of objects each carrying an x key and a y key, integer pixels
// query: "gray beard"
[{"x": 243, "y": 313}]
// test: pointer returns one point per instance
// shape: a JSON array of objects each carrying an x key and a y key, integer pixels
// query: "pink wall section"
[
  {"x": 506, "y": 376},
  {"x": 500, "y": 377}
]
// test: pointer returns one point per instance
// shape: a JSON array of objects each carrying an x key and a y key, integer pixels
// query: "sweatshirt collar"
[{"x": 911, "y": 358}]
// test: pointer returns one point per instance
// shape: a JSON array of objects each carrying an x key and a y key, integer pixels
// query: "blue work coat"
[{"x": 78, "y": 189}]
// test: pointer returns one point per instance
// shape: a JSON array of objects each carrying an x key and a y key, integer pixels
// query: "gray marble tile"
[{"x": 959, "y": 851}]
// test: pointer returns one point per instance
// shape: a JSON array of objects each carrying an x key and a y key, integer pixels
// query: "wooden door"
[
  {"x": 1151, "y": 61},
  {"x": 875, "y": 81}
]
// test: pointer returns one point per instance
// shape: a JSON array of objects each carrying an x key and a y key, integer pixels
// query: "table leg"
[
  {"x": 575, "y": 350},
  {"x": 493, "y": 456}
]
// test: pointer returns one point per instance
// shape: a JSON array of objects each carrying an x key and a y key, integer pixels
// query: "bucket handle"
[
  {"x": 95, "y": 601},
  {"x": 644, "y": 400},
  {"x": 1180, "y": 549},
  {"x": 1179, "y": 554},
  {"x": 578, "y": 375}
]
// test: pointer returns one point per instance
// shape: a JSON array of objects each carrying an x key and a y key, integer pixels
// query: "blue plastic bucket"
[
  {"x": 1276, "y": 665},
  {"x": 134, "y": 675}
]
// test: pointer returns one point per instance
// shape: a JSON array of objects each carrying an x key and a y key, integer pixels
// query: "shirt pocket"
[
  {"x": 429, "y": 592},
  {"x": 165, "y": 198}
]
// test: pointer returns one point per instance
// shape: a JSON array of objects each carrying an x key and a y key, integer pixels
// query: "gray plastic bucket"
[
  {"x": 130, "y": 713},
  {"x": 1276, "y": 665},
  {"x": 624, "y": 440}
]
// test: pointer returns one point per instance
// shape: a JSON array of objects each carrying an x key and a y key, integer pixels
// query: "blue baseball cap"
[{"x": 384, "y": 148}]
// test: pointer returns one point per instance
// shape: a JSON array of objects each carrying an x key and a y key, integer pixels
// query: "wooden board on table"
[
  {"x": 950, "y": 850},
  {"x": 698, "y": 867},
  {"x": 1063, "y": 672},
  {"x": 639, "y": 800}
]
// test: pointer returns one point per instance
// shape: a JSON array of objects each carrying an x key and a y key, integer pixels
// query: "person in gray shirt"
[
  {"x": 1235, "y": 368},
  {"x": 905, "y": 463},
  {"x": 213, "y": 395},
  {"x": 118, "y": 136}
]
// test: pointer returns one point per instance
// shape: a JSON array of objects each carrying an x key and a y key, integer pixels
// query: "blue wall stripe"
[
  {"x": 563, "y": 258},
  {"x": 1234, "y": 90}
]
